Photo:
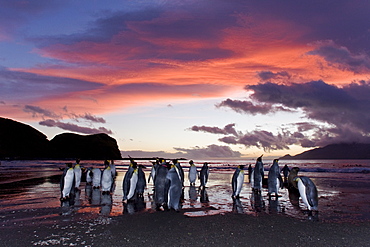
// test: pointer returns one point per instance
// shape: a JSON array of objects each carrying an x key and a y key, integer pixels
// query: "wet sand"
[
  {"x": 31, "y": 215},
  {"x": 174, "y": 229}
]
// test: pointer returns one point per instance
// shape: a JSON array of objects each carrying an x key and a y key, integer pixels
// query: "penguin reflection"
[
  {"x": 134, "y": 205},
  {"x": 95, "y": 196},
  {"x": 106, "y": 204},
  {"x": 237, "y": 206},
  {"x": 257, "y": 202},
  {"x": 88, "y": 192},
  {"x": 274, "y": 206},
  {"x": 203, "y": 195},
  {"x": 193, "y": 195}
]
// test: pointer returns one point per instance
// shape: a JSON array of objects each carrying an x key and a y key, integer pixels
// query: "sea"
[{"x": 343, "y": 187}]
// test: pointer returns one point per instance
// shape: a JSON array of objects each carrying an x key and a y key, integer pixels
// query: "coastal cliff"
[{"x": 21, "y": 141}]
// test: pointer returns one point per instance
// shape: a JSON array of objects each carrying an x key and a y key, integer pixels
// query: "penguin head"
[
  {"x": 276, "y": 161},
  {"x": 260, "y": 158},
  {"x": 191, "y": 162},
  {"x": 241, "y": 167}
]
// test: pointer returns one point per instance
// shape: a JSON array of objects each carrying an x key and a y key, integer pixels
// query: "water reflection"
[
  {"x": 257, "y": 202},
  {"x": 106, "y": 204},
  {"x": 237, "y": 206},
  {"x": 274, "y": 205},
  {"x": 134, "y": 206},
  {"x": 203, "y": 195}
]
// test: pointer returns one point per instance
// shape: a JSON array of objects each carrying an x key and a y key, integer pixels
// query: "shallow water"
[{"x": 343, "y": 187}]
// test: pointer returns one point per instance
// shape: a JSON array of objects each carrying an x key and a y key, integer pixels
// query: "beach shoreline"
[{"x": 26, "y": 228}]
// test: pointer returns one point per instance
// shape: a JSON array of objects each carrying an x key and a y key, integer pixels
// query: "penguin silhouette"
[
  {"x": 107, "y": 179},
  {"x": 203, "y": 175},
  {"x": 160, "y": 193},
  {"x": 237, "y": 181},
  {"x": 258, "y": 175},
  {"x": 192, "y": 173},
  {"x": 308, "y": 192},
  {"x": 173, "y": 188},
  {"x": 130, "y": 181},
  {"x": 274, "y": 178},
  {"x": 67, "y": 182}
]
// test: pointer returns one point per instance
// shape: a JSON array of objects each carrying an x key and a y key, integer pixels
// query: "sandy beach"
[
  {"x": 174, "y": 229},
  {"x": 32, "y": 215}
]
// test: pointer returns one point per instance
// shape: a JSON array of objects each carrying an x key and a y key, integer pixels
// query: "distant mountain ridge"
[
  {"x": 335, "y": 151},
  {"x": 21, "y": 141}
]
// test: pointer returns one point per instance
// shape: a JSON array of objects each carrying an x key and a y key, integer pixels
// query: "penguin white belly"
[
  {"x": 68, "y": 182},
  {"x": 277, "y": 185},
  {"x": 133, "y": 182},
  {"x": 302, "y": 192},
  {"x": 77, "y": 172},
  {"x": 192, "y": 174},
  {"x": 106, "y": 182},
  {"x": 239, "y": 182}
]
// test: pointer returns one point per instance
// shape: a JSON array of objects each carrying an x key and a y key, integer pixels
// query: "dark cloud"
[
  {"x": 23, "y": 85},
  {"x": 341, "y": 57},
  {"x": 262, "y": 139},
  {"x": 38, "y": 111},
  {"x": 268, "y": 75},
  {"x": 319, "y": 101},
  {"x": 148, "y": 154},
  {"x": 142, "y": 34},
  {"x": 211, "y": 151},
  {"x": 228, "y": 129},
  {"x": 92, "y": 118},
  {"x": 345, "y": 22},
  {"x": 341, "y": 114},
  {"x": 244, "y": 106},
  {"x": 74, "y": 127}
]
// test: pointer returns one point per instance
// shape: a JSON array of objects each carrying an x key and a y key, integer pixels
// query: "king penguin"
[
  {"x": 129, "y": 181},
  {"x": 192, "y": 173},
  {"x": 78, "y": 173},
  {"x": 308, "y": 192},
  {"x": 107, "y": 179},
  {"x": 204, "y": 173},
  {"x": 67, "y": 182},
  {"x": 274, "y": 179},
  {"x": 237, "y": 181},
  {"x": 160, "y": 195},
  {"x": 173, "y": 188},
  {"x": 258, "y": 174}
]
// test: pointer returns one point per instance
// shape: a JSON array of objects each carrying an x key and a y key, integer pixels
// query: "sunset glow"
[{"x": 170, "y": 76}]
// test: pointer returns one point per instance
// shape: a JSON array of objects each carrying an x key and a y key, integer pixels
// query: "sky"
[{"x": 198, "y": 79}]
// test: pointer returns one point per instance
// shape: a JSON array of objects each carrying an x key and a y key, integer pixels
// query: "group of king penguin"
[
  {"x": 168, "y": 180},
  {"x": 301, "y": 186},
  {"x": 98, "y": 179}
]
